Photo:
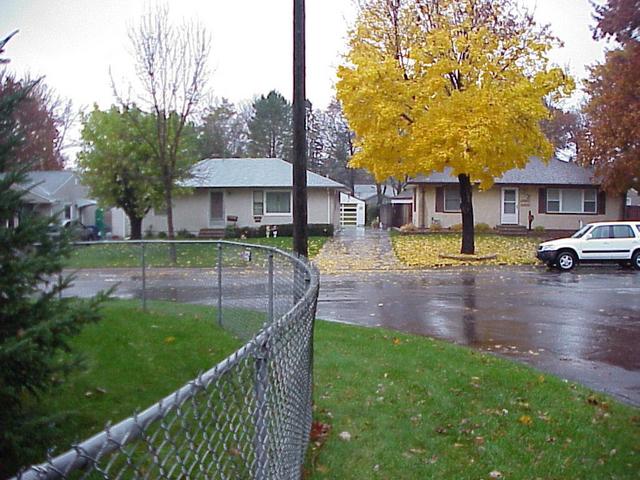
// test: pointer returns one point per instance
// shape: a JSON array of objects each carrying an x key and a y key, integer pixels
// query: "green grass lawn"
[
  {"x": 188, "y": 255},
  {"x": 414, "y": 407},
  {"x": 133, "y": 359},
  {"x": 420, "y": 408}
]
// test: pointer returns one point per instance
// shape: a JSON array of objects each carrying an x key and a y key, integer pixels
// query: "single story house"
[
  {"x": 559, "y": 195},
  {"x": 244, "y": 192},
  {"x": 60, "y": 192}
]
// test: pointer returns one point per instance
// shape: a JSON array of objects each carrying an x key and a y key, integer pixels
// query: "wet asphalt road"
[{"x": 582, "y": 325}]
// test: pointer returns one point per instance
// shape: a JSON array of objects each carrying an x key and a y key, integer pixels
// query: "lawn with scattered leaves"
[
  {"x": 131, "y": 359},
  {"x": 389, "y": 405},
  {"x": 425, "y": 250},
  {"x": 104, "y": 255},
  {"x": 401, "y": 406}
]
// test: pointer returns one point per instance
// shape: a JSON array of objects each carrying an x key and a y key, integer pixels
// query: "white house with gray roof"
[
  {"x": 558, "y": 194},
  {"x": 60, "y": 192},
  {"x": 246, "y": 192}
]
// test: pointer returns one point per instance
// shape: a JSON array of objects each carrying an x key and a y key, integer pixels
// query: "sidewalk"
[{"x": 358, "y": 249}]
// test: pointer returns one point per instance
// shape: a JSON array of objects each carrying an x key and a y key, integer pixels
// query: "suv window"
[
  {"x": 600, "y": 232},
  {"x": 622, "y": 231}
]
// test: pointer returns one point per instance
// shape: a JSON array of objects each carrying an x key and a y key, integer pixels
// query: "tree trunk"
[
  {"x": 624, "y": 206},
  {"x": 352, "y": 181},
  {"x": 136, "y": 227},
  {"x": 466, "y": 207},
  {"x": 173, "y": 257}
]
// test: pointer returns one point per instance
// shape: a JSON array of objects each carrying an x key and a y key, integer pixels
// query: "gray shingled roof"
[
  {"x": 44, "y": 184},
  {"x": 556, "y": 172},
  {"x": 250, "y": 172},
  {"x": 366, "y": 191}
]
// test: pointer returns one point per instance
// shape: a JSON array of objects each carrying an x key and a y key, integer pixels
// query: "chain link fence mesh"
[{"x": 249, "y": 417}]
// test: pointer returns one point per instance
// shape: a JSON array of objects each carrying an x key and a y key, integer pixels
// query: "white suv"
[{"x": 596, "y": 242}]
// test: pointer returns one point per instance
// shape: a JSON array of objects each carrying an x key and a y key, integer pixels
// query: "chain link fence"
[{"x": 249, "y": 417}]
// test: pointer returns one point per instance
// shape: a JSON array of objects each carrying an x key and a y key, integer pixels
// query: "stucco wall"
[{"x": 486, "y": 209}]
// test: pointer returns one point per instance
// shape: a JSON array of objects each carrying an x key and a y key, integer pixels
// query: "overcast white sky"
[{"x": 73, "y": 43}]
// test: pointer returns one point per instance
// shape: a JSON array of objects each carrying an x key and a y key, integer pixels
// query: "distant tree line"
[{"x": 262, "y": 129}]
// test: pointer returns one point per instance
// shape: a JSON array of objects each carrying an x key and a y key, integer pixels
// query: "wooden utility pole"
[{"x": 299, "y": 132}]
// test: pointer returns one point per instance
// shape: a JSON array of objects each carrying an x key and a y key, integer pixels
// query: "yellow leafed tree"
[{"x": 430, "y": 84}]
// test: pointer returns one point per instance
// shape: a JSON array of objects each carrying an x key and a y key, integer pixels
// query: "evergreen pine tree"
[{"x": 35, "y": 322}]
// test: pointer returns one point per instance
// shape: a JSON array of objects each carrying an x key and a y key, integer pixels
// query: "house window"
[
  {"x": 571, "y": 200},
  {"x": 67, "y": 212},
  {"x": 590, "y": 201},
  {"x": 451, "y": 199},
  {"x": 278, "y": 202},
  {"x": 258, "y": 202}
]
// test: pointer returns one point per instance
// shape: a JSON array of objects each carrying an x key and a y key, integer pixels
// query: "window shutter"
[
  {"x": 602, "y": 203},
  {"x": 542, "y": 200},
  {"x": 439, "y": 199}
]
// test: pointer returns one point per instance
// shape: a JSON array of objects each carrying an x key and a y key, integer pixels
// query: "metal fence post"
[
  {"x": 219, "y": 284},
  {"x": 270, "y": 291},
  {"x": 144, "y": 277},
  {"x": 260, "y": 389}
]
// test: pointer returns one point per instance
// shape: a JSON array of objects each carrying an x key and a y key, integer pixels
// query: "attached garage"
[{"x": 351, "y": 211}]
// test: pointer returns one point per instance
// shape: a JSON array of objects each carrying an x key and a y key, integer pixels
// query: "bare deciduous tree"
[{"x": 171, "y": 68}]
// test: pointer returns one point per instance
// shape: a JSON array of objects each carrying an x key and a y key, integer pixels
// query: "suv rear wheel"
[
  {"x": 566, "y": 260},
  {"x": 635, "y": 260}
]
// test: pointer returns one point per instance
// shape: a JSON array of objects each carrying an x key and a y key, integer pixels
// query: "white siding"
[{"x": 191, "y": 212}]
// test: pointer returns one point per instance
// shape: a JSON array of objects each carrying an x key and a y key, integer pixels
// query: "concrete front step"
[
  {"x": 211, "y": 233},
  {"x": 511, "y": 229}
]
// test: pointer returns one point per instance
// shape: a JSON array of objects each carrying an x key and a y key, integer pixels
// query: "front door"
[
  {"x": 509, "y": 207},
  {"x": 216, "y": 209}
]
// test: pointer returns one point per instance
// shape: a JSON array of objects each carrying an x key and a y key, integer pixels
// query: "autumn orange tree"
[
  {"x": 430, "y": 84},
  {"x": 611, "y": 137}
]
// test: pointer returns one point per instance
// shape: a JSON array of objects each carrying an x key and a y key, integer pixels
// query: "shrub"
[
  {"x": 184, "y": 234},
  {"x": 246, "y": 232},
  {"x": 482, "y": 228},
  {"x": 435, "y": 227},
  {"x": 148, "y": 233},
  {"x": 321, "y": 229},
  {"x": 408, "y": 228},
  {"x": 162, "y": 235},
  {"x": 538, "y": 228},
  {"x": 231, "y": 231},
  {"x": 457, "y": 227}
]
